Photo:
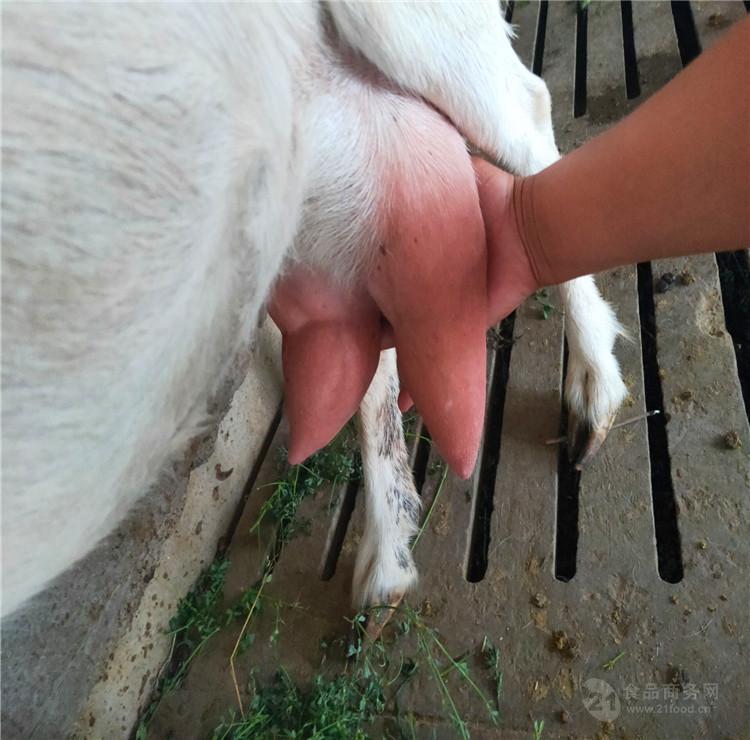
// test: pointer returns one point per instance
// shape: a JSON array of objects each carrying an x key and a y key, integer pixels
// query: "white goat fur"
[{"x": 158, "y": 162}]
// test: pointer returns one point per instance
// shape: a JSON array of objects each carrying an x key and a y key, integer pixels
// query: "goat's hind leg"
[{"x": 385, "y": 569}]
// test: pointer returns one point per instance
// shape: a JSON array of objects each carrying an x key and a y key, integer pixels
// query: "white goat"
[{"x": 160, "y": 161}]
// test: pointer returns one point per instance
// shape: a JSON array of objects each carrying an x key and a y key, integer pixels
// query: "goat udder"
[{"x": 427, "y": 277}]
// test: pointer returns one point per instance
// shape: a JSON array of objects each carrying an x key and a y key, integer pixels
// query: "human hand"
[{"x": 510, "y": 272}]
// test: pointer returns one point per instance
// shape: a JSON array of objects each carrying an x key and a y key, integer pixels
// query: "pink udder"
[{"x": 428, "y": 279}]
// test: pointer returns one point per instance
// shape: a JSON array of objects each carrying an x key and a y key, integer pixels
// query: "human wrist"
[
  {"x": 525, "y": 216},
  {"x": 510, "y": 278}
]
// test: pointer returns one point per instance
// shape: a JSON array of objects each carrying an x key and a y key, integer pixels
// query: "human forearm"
[{"x": 671, "y": 179}]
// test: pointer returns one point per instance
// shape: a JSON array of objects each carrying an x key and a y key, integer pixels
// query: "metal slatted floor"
[{"x": 646, "y": 555}]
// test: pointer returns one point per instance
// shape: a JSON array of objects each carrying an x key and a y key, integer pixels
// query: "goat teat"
[{"x": 330, "y": 349}]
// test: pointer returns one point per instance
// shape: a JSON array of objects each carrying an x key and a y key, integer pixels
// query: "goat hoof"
[
  {"x": 585, "y": 439},
  {"x": 379, "y": 616}
]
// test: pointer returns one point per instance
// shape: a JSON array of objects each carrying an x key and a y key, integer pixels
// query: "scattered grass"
[
  {"x": 196, "y": 621},
  {"x": 410, "y": 423},
  {"x": 334, "y": 708},
  {"x": 497, "y": 339},
  {"x": 610, "y": 664},
  {"x": 440, "y": 663},
  {"x": 336, "y": 464},
  {"x": 433, "y": 653},
  {"x": 545, "y": 307},
  {"x": 199, "y": 617},
  {"x": 338, "y": 702},
  {"x": 492, "y": 661},
  {"x": 440, "y": 468},
  {"x": 344, "y": 704},
  {"x": 436, "y": 467},
  {"x": 538, "y": 729}
]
